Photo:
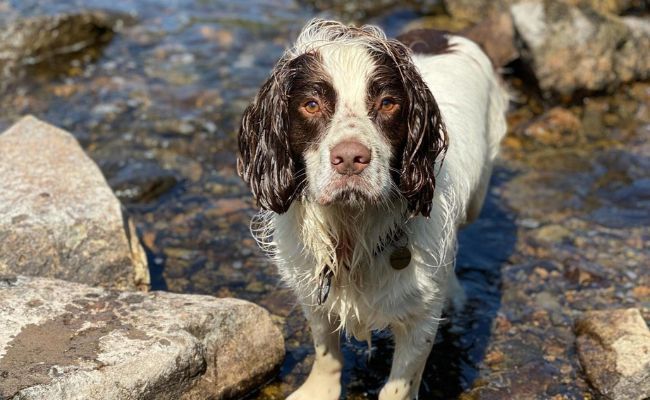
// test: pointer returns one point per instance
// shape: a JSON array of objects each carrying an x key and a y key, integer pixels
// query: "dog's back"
[{"x": 472, "y": 102}]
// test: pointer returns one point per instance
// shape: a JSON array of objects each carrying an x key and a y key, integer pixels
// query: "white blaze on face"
[{"x": 350, "y": 66}]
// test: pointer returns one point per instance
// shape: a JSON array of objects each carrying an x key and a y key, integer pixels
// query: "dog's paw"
[
  {"x": 308, "y": 394},
  {"x": 318, "y": 389},
  {"x": 398, "y": 390}
]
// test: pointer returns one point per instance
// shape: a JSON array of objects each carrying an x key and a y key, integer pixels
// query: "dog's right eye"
[
  {"x": 312, "y": 107},
  {"x": 387, "y": 104}
]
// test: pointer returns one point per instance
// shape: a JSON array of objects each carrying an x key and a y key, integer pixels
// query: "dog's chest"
[
  {"x": 379, "y": 291},
  {"x": 384, "y": 277}
]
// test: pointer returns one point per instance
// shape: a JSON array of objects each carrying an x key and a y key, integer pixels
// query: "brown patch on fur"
[
  {"x": 416, "y": 131},
  {"x": 269, "y": 156},
  {"x": 310, "y": 82}
]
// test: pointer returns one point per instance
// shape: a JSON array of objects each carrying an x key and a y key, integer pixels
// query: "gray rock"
[
  {"x": 64, "y": 340},
  {"x": 614, "y": 350},
  {"x": 34, "y": 40},
  {"x": 139, "y": 181},
  {"x": 58, "y": 217},
  {"x": 573, "y": 49},
  {"x": 476, "y": 10}
]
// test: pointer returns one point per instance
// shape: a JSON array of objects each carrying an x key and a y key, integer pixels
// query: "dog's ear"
[
  {"x": 427, "y": 139},
  {"x": 264, "y": 160}
]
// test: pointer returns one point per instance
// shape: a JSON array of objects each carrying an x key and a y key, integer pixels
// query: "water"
[{"x": 158, "y": 109}]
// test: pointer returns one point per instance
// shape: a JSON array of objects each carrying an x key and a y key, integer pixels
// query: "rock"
[
  {"x": 476, "y": 10},
  {"x": 440, "y": 22},
  {"x": 614, "y": 350},
  {"x": 495, "y": 34},
  {"x": 608, "y": 6},
  {"x": 572, "y": 49},
  {"x": 557, "y": 127},
  {"x": 58, "y": 216},
  {"x": 550, "y": 234},
  {"x": 138, "y": 181},
  {"x": 35, "y": 40},
  {"x": 64, "y": 340}
]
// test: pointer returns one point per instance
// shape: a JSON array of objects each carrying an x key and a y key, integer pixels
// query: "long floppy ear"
[
  {"x": 426, "y": 140},
  {"x": 264, "y": 160}
]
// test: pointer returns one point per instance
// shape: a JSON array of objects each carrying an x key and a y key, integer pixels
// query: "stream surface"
[{"x": 564, "y": 228}]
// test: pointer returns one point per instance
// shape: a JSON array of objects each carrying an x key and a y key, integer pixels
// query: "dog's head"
[{"x": 345, "y": 118}]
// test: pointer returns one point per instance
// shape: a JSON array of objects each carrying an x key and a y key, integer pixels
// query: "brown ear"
[
  {"x": 264, "y": 160},
  {"x": 426, "y": 138}
]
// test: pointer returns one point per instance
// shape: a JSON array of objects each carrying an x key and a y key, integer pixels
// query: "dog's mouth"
[{"x": 352, "y": 191}]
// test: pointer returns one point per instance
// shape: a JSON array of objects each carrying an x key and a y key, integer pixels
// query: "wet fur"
[{"x": 450, "y": 102}]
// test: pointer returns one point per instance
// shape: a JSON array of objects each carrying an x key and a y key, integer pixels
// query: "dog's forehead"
[{"x": 350, "y": 67}]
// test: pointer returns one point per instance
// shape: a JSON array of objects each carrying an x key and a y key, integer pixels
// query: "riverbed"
[{"x": 564, "y": 229}]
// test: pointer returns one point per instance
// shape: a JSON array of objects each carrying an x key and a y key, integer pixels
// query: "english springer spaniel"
[{"x": 343, "y": 147}]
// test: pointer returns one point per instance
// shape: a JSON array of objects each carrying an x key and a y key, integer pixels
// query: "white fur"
[
  {"x": 350, "y": 67},
  {"x": 371, "y": 294}
]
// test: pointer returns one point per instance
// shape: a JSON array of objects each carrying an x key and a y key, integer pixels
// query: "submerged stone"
[{"x": 614, "y": 350}]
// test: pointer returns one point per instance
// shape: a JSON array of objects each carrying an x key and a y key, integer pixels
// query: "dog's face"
[{"x": 345, "y": 118}]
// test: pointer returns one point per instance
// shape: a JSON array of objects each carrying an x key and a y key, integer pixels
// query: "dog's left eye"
[
  {"x": 387, "y": 104},
  {"x": 312, "y": 107}
]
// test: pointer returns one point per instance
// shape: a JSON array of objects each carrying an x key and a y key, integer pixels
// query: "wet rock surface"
[
  {"x": 568, "y": 257},
  {"x": 58, "y": 217},
  {"x": 66, "y": 340},
  {"x": 614, "y": 350},
  {"x": 564, "y": 229},
  {"x": 571, "y": 49},
  {"x": 27, "y": 43}
]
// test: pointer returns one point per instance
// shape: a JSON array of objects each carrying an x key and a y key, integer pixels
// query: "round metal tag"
[{"x": 400, "y": 258}]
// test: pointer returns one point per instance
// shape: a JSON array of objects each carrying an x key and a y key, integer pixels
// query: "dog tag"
[
  {"x": 324, "y": 285},
  {"x": 400, "y": 258}
]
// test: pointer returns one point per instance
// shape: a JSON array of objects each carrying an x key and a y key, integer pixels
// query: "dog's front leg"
[
  {"x": 324, "y": 381},
  {"x": 412, "y": 347}
]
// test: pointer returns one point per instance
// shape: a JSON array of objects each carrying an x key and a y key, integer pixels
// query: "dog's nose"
[{"x": 349, "y": 157}]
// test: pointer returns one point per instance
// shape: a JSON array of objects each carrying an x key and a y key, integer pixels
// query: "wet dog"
[{"x": 343, "y": 149}]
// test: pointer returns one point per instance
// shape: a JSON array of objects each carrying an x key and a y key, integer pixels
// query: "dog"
[{"x": 343, "y": 147}]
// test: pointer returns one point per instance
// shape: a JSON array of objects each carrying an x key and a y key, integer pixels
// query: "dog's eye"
[
  {"x": 312, "y": 107},
  {"x": 387, "y": 104}
]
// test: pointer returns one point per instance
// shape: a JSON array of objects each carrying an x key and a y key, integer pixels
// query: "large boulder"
[
  {"x": 614, "y": 350},
  {"x": 64, "y": 340},
  {"x": 572, "y": 49},
  {"x": 58, "y": 216},
  {"x": 475, "y": 10}
]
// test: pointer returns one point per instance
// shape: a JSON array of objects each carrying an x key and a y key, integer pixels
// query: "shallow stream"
[{"x": 158, "y": 109}]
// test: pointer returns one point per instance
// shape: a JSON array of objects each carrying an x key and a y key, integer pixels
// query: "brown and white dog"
[{"x": 343, "y": 147}]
